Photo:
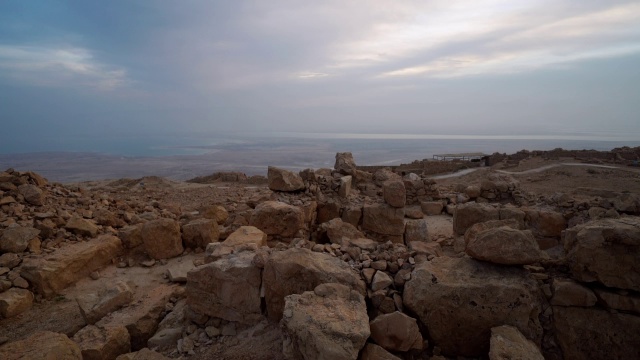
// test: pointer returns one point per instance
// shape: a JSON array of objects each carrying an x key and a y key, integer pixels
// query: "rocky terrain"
[{"x": 534, "y": 257}]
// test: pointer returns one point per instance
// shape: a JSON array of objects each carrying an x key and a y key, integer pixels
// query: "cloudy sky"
[{"x": 110, "y": 69}]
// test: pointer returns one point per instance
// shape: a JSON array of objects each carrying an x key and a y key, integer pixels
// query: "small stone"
[
  {"x": 94, "y": 275},
  {"x": 20, "y": 282},
  {"x": 212, "y": 331}
]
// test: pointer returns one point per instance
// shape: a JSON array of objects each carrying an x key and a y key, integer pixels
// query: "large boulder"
[
  {"x": 228, "y": 288},
  {"x": 396, "y": 332},
  {"x": 295, "y": 271},
  {"x": 199, "y": 233},
  {"x": 14, "y": 302},
  {"x": 471, "y": 213},
  {"x": 32, "y": 194},
  {"x": 345, "y": 164},
  {"x": 336, "y": 230},
  {"x": 41, "y": 345},
  {"x": 284, "y": 180},
  {"x": 162, "y": 238},
  {"x": 16, "y": 239},
  {"x": 591, "y": 333},
  {"x": 246, "y": 235},
  {"x": 277, "y": 218},
  {"x": 394, "y": 193},
  {"x": 505, "y": 245},
  {"x": 328, "y": 323},
  {"x": 459, "y": 300},
  {"x": 80, "y": 226},
  {"x": 606, "y": 251},
  {"x": 476, "y": 229},
  {"x": 102, "y": 343},
  {"x": 54, "y": 272},
  {"x": 508, "y": 343},
  {"x": 383, "y": 219},
  {"x": 215, "y": 212}
]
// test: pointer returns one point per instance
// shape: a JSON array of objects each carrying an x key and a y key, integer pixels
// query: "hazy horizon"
[{"x": 78, "y": 75}]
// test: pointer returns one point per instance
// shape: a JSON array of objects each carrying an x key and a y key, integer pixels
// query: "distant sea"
[{"x": 185, "y": 156}]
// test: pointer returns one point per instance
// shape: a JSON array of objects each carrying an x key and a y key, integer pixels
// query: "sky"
[{"x": 88, "y": 71}]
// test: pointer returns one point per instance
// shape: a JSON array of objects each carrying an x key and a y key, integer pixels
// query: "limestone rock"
[
  {"x": 569, "y": 293},
  {"x": 330, "y": 322},
  {"x": 472, "y": 191},
  {"x": 131, "y": 236},
  {"x": 16, "y": 239},
  {"x": 591, "y": 333},
  {"x": 215, "y": 212},
  {"x": 284, "y": 180},
  {"x": 161, "y": 238},
  {"x": 165, "y": 338},
  {"x": 394, "y": 193},
  {"x": 505, "y": 246},
  {"x": 32, "y": 194},
  {"x": 41, "y": 345},
  {"x": 416, "y": 230},
  {"x": 546, "y": 223},
  {"x": 144, "y": 354},
  {"x": 475, "y": 229},
  {"x": 102, "y": 343},
  {"x": 199, "y": 233},
  {"x": 95, "y": 306},
  {"x": 80, "y": 226},
  {"x": 228, "y": 288},
  {"x": 246, "y": 235},
  {"x": 337, "y": 229},
  {"x": 431, "y": 207},
  {"x": 381, "y": 281},
  {"x": 14, "y": 302},
  {"x": 426, "y": 248},
  {"x": 459, "y": 300},
  {"x": 507, "y": 343},
  {"x": 10, "y": 260},
  {"x": 54, "y": 272},
  {"x": 396, "y": 332},
  {"x": 471, "y": 213},
  {"x": 345, "y": 186},
  {"x": 375, "y": 352},
  {"x": 277, "y": 218},
  {"x": 295, "y": 271},
  {"x": 607, "y": 251},
  {"x": 383, "y": 219},
  {"x": 345, "y": 164}
]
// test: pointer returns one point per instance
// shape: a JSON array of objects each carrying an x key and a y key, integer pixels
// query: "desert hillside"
[{"x": 534, "y": 255}]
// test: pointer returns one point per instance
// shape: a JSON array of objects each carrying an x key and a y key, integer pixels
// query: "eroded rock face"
[
  {"x": 295, "y": 271},
  {"x": 505, "y": 246},
  {"x": 383, "y": 219},
  {"x": 42, "y": 345},
  {"x": 591, "y": 333},
  {"x": 471, "y": 213},
  {"x": 228, "y": 288},
  {"x": 284, "y": 180},
  {"x": 329, "y": 323},
  {"x": 459, "y": 300},
  {"x": 162, "y": 238},
  {"x": 345, "y": 164},
  {"x": 52, "y": 273},
  {"x": 396, "y": 332},
  {"x": 606, "y": 251},
  {"x": 508, "y": 343},
  {"x": 277, "y": 218},
  {"x": 199, "y": 233}
]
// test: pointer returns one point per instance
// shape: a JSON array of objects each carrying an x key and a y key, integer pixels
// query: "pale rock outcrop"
[
  {"x": 471, "y": 213},
  {"x": 16, "y": 239},
  {"x": 215, "y": 212},
  {"x": 246, "y": 235},
  {"x": 50, "y": 274},
  {"x": 14, "y": 302},
  {"x": 606, "y": 251},
  {"x": 591, "y": 333},
  {"x": 383, "y": 219},
  {"x": 295, "y": 271},
  {"x": 394, "y": 193},
  {"x": 345, "y": 164},
  {"x": 396, "y": 332},
  {"x": 95, "y": 306},
  {"x": 277, "y": 218},
  {"x": 505, "y": 245},
  {"x": 567, "y": 292},
  {"x": 198, "y": 233},
  {"x": 508, "y": 343},
  {"x": 459, "y": 300},
  {"x": 161, "y": 238},
  {"x": 42, "y": 345},
  {"x": 228, "y": 288},
  {"x": 102, "y": 343},
  {"x": 329, "y": 323},
  {"x": 284, "y": 180},
  {"x": 80, "y": 226}
]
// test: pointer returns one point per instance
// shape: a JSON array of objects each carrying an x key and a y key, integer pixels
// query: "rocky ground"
[{"x": 527, "y": 259}]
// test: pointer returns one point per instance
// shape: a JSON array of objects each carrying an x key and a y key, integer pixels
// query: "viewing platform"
[{"x": 460, "y": 156}]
